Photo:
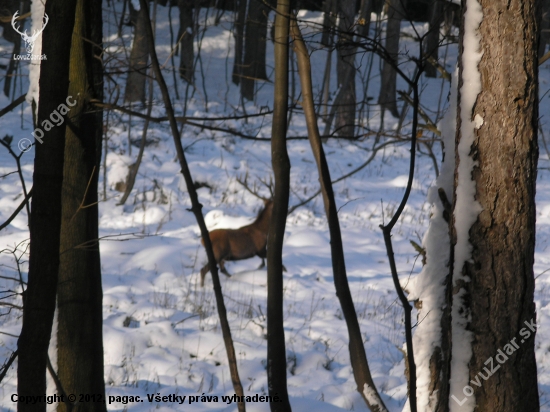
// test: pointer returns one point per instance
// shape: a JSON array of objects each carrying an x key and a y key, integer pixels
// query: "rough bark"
[
  {"x": 45, "y": 219},
  {"x": 345, "y": 68},
  {"x": 135, "y": 83},
  {"x": 503, "y": 236},
  {"x": 276, "y": 352},
  {"x": 387, "y": 98},
  {"x": 80, "y": 310}
]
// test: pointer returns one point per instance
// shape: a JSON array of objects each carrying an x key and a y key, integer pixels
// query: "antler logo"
[{"x": 29, "y": 40}]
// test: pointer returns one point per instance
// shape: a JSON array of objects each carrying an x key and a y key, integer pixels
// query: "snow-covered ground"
[{"x": 161, "y": 329}]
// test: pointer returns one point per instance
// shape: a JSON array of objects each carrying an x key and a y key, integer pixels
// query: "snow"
[
  {"x": 161, "y": 329},
  {"x": 37, "y": 15},
  {"x": 466, "y": 207},
  {"x": 428, "y": 287}
]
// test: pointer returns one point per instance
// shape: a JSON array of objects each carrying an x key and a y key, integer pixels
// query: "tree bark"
[
  {"x": 432, "y": 39},
  {"x": 135, "y": 83},
  {"x": 501, "y": 285},
  {"x": 253, "y": 67},
  {"x": 45, "y": 219},
  {"x": 276, "y": 352},
  {"x": 387, "y": 98},
  {"x": 79, "y": 302},
  {"x": 185, "y": 37},
  {"x": 345, "y": 68},
  {"x": 239, "y": 40}
]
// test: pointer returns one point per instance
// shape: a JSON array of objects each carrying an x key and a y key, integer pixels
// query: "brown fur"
[{"x": 243, "y": 243}]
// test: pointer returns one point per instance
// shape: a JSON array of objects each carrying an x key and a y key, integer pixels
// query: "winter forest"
[{"x": 274, "y": 205}]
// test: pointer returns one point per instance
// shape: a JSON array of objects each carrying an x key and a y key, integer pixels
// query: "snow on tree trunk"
[
  {"x": 466, "y": 208},
  {"x": 37, "y": 16},
  {"x": 429, "y": 287}
]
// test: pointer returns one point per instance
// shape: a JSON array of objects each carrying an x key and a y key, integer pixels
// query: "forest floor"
[{"x": 161, "y": 329}]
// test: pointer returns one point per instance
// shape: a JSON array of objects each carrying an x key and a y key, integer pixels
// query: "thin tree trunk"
[
  {"x": 501, "y": 286},
  {"x": 387, "y": 98},
  {"x": 239, "y": 40},
  {"x": 361, "y": 371},
  {"x": 276, "y": 352},
  {"x": 253, "y": 67},
  {"x": 135, "y": 83},
  {"x": 432, "y": 39},
  {"x": 196, "y": 209},
  {"x": 185, "y": 37},
  {"x": 345, "y": 69},
  {"x": 45, "y": 220},
  {"x": 365, "y": 11},
  {"x": 330, "y": 14}
]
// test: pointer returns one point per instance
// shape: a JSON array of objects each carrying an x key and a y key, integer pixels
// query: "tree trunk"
[
  {"x": 345, "y": 68},
  {"x": 358, "y": 357},
  {"x": 365, "y": 11},
  {"x": 135, "y": 83},
  {"x": 503, "y": 235},
  {"x": 196, "y": 209},
  {"x": 253, "y": 67},
  {"x": 330, "y": 13},
  {"x": 276, "y": 352},
  {"x": 239, "y": 39},
  {"x": 185, "y": 37},
  {"x": 45, "y": 219},
  {"x": 432, "y": 39},
  {"x": 387, "y": 98},
  {"x": 80, "y": 310}
]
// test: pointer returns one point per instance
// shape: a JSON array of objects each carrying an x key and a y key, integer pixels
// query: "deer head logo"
[{"x": 29, "y": 40}]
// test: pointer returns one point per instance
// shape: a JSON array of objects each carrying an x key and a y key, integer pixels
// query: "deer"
[
  {"x": 243, "y": 243},
  {"x": 29, "y": 40}
]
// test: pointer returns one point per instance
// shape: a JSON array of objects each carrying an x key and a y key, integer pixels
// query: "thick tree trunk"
[
  {"x": 345, "y": 68},
  {"x": 500, "y": 290},
  {"x": 276, "y": 352},
  {"x": 45, "y": 220},
  {"x": 80, "y": 311},
  {"x": 387, "y": 98},
  {"x": 185, "y": 37},
  {"x": 135, "y": 83}
]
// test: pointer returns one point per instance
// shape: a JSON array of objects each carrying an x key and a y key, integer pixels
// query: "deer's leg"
[
  {"x": 223, "y": 269},
  {"x": 205, "y": 269},
  {"x": 262, "y": 265},
  {"x": 262, "y": 254}
]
